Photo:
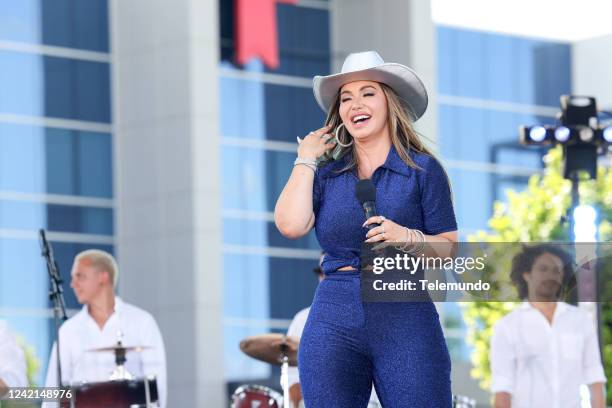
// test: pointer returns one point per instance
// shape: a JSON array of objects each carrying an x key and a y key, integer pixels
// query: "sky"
[{"x": 563, "y": 20}]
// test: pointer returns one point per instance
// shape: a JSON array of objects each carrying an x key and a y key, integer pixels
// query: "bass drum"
[{"x": 249, "y": 396}]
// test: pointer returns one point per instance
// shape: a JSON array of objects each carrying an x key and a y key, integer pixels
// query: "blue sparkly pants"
[{"x": 347, "y": 345}]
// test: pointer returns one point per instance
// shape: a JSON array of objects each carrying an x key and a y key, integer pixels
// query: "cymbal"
[
  {"x": 271, "y": 347},
  {"x": 137, "y": 349}
]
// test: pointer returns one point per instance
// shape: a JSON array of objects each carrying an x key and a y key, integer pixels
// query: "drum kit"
[
  {"x": 278, "y": 349},
  {"x": 121, "y": 391},
  {"x": 275, "y": 349}
]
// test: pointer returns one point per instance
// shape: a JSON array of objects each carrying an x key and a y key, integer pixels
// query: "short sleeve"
[{"x": 436, "y": 200}]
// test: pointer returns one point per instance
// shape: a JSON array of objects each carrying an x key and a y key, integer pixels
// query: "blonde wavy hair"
[{"x": 403, "y": 135}]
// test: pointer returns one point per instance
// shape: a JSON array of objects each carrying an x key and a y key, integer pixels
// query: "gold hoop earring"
[{"x": 337, "y": 131}]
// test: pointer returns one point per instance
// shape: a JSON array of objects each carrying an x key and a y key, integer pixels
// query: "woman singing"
[{"x": 347, "y": 344}]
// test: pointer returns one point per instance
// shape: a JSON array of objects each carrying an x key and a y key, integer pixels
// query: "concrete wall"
[
  {"x": 168, "y": 221},
  {"x": 591, "y": 66}
]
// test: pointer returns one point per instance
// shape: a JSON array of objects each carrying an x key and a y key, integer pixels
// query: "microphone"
[
  {"x": 47, "y": 253},
  {"x": 365, "y": 191}
]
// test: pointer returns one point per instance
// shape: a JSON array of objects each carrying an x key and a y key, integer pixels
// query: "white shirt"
[
  {"x": 543, "y": 364},
  {"x": 296, "y": 328},
  {"x": 12, "y": 360},
  {"x": 81, "y": 333}
]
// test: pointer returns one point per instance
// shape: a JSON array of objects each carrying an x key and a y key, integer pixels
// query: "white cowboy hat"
[{"x": 369, "y": 66}]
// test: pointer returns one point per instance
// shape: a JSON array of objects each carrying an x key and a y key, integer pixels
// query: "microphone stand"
[{"x": 56, "y": 295}]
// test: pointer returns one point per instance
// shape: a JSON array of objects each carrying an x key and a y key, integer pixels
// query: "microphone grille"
[{"x": 365, "y": 191}]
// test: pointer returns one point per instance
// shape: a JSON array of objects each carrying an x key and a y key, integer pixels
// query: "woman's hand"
[
  {"x": 387, "y": 231},
  {"x": 315, "y": 144}
]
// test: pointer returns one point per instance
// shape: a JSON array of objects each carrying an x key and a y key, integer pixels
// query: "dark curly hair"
[{"x": 524, "y": 260}]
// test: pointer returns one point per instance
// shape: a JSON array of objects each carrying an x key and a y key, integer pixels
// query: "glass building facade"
[
  {"x": 488, "y": 85},
  {"x": 55, "y": 152},
  {"x": 267, "y": 278}
]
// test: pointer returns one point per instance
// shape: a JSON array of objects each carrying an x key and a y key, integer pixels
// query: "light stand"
[{"x": 583, "y": 139}]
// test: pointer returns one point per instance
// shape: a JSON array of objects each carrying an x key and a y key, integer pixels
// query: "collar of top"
[
  {"x": 393, "y": 162},
  {"x": 118, "y": 306},
  {"x": 561, "y": 307}
]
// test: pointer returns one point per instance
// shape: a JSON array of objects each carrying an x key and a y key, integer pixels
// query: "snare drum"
[
  {"x": 248, "y": 396},
  {"x": 141, "y": 393}
]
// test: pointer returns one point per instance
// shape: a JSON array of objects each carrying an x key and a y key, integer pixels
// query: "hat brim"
[{"x": 404, "y": 81}]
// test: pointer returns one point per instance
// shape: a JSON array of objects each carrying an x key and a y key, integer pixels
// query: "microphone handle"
[{"x": 370, "y": 211}]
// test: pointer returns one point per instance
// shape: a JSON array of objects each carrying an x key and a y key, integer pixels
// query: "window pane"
[
  {"x": 54, "y": 87},
  {"x": 62, "y": 218},
  {"x": 259, "y": 288},
  {"x": 63, "y": 23},
  {"x": 502, "y": 67},
  {"x": 253, "y": 110},
  {"x": 304, "y": 51},
  {"x": 253, "y": 178},
  {"x": 473, "y": 134},
  {"x": 261, "y": 234},
  {"x": 56, "y": 161}
]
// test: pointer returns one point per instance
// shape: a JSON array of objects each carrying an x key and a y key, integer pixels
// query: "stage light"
[
  {"x": 607, "y": 134},
  {"x": 537, "y": 134},
  {"x": 579, "y": 133},
  {"x": 586, "y": 134},
  {"x": 562, "y": 134}
]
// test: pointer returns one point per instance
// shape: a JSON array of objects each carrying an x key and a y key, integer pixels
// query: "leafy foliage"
[{"x": 32, "y": 367}]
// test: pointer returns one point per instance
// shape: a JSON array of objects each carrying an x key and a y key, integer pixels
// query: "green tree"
[{"x": 534, "y": 215}]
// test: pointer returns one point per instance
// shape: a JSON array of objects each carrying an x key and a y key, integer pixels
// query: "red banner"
[{"x": 256, "y": 34}]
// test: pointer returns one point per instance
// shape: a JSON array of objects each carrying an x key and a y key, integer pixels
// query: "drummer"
[
  {"x": 295, "y": 330},
  {"x": 103, "y": 320}
]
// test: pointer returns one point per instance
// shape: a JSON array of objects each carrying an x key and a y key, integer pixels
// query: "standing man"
[
  {"x": 543, "y": 351},
  {"x": 103, "y": 320},
  {"x": 12, "y": 361}
]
